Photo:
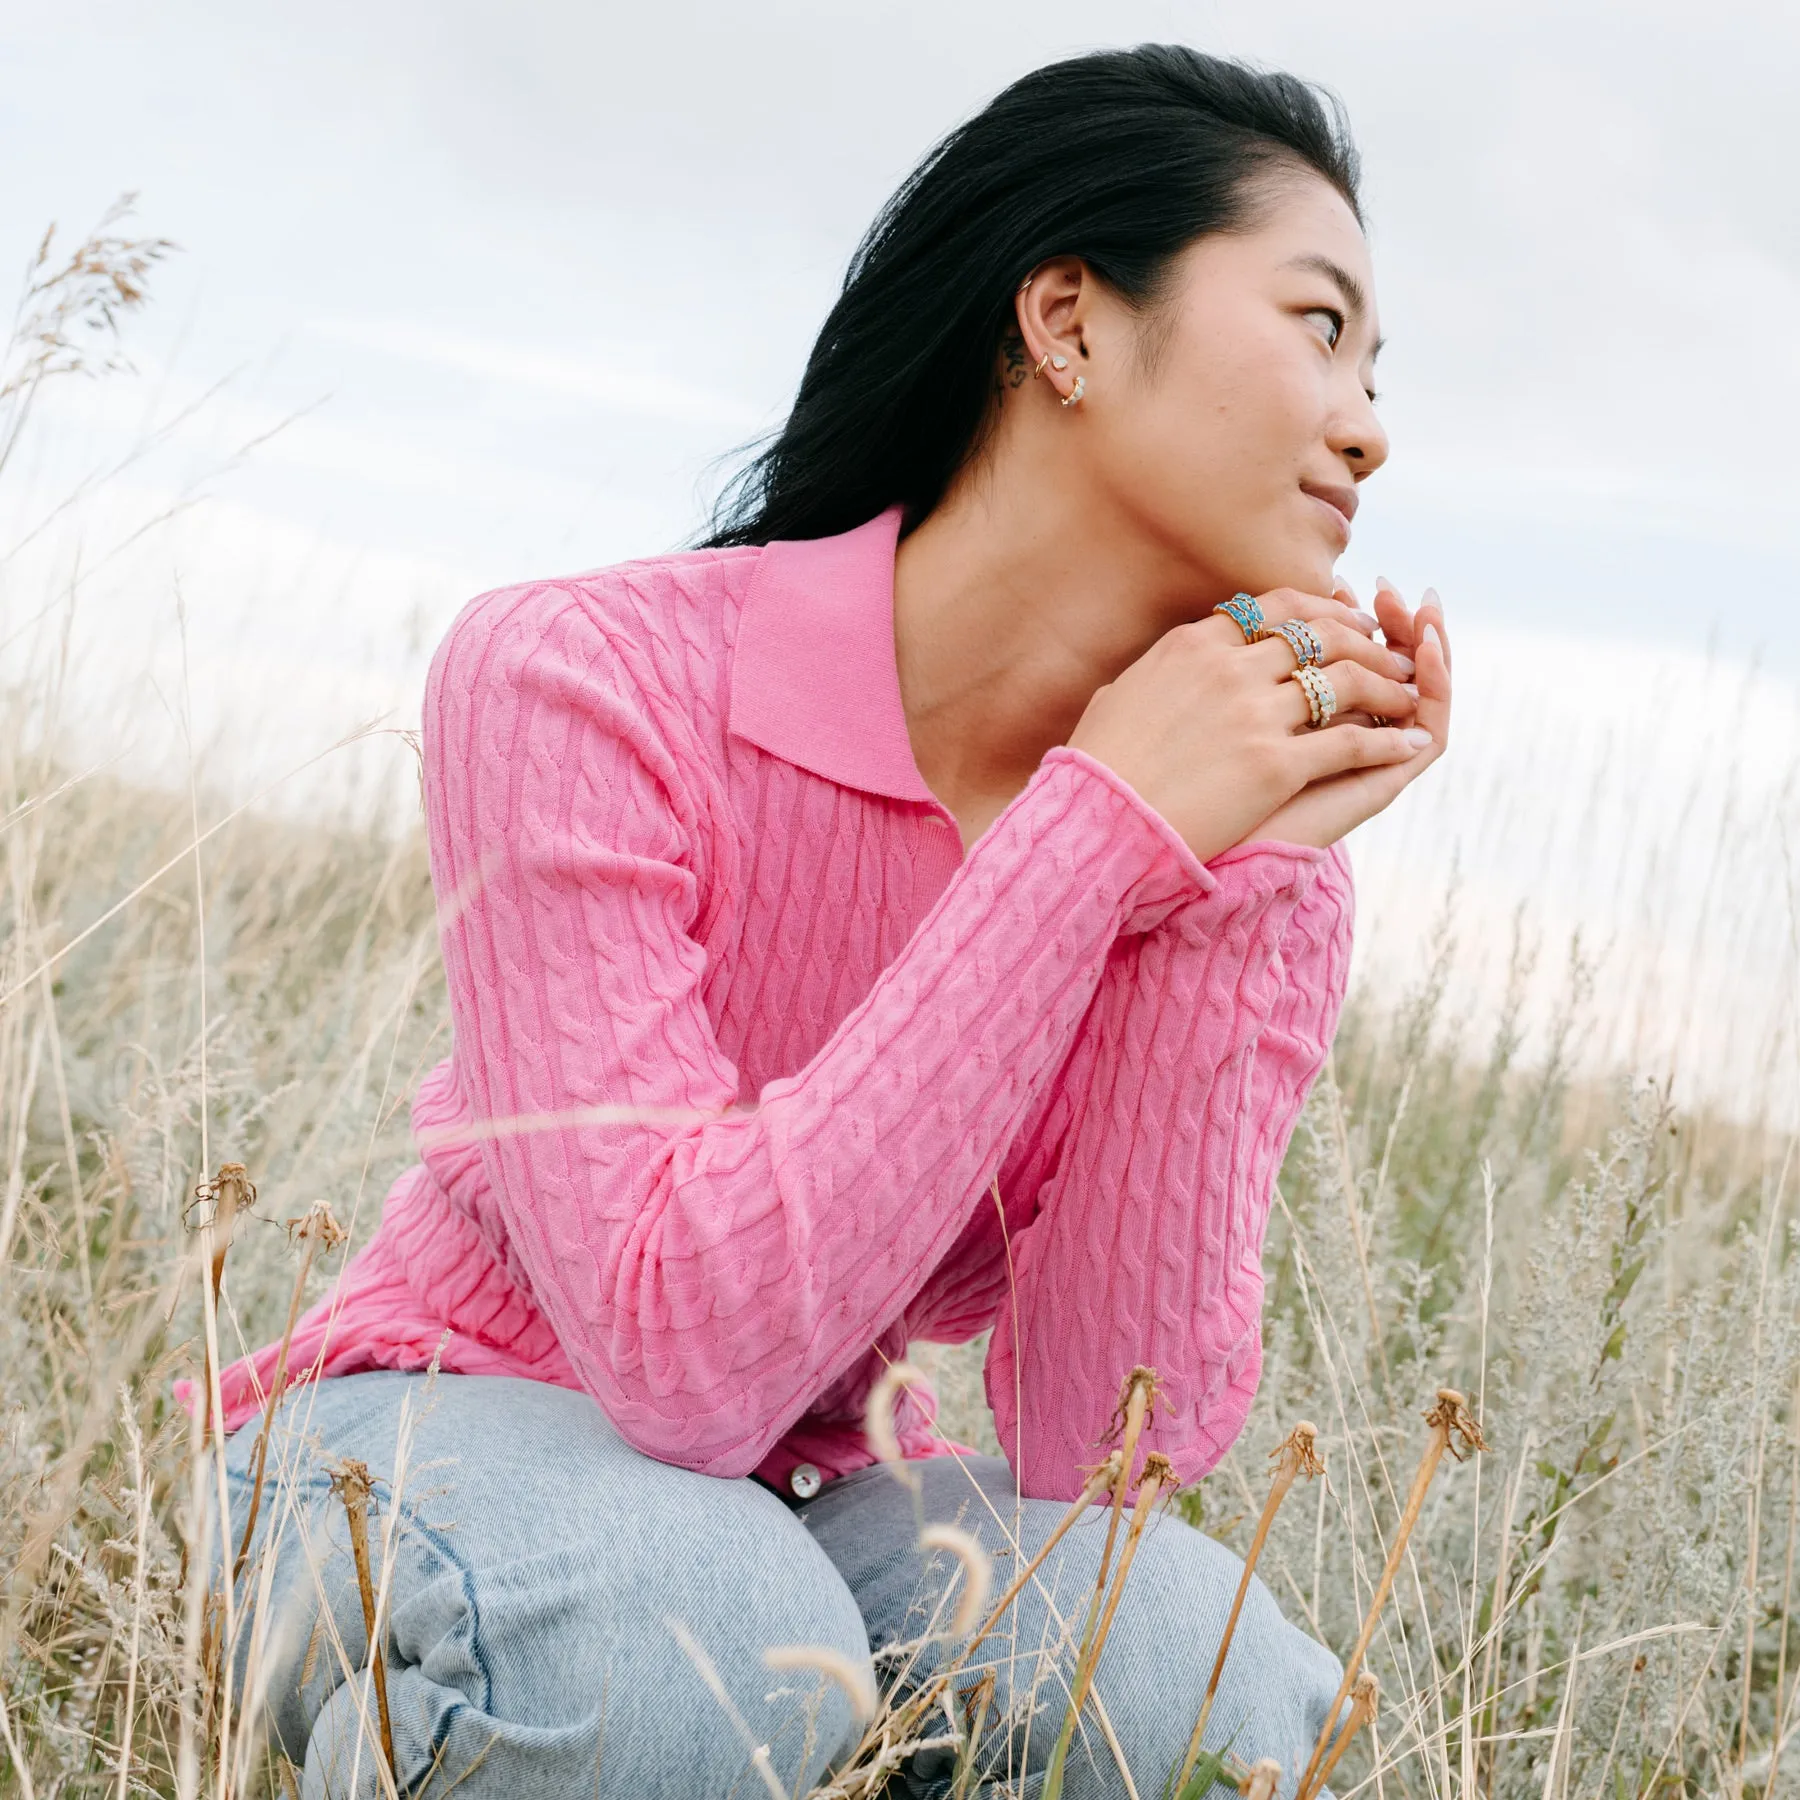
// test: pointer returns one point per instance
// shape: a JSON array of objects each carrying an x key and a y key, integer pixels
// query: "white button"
[{"x": 804, "y": 1481}]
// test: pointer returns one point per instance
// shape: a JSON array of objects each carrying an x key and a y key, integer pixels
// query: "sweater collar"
[{"x": 814, "y": 678}]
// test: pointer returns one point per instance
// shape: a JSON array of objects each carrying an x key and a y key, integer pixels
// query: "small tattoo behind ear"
[{"x": 1016, "y": 365}]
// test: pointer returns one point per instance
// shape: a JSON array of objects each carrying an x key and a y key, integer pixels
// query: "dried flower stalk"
[
  {"x": 1449, "y": 1418},
  {"x": 227, "y": 1195},
  {"x": 975, "y": 1707},
  {"x": 352, "y": 1484},
  {"x": 1262, "y": 1781},
  {"x": 872, "y": 1754},
  {"x": 1365, "y": 1697},
  {"x": 1098, "y": 1482},
  {"x": 1294, "y": 1456},
  {"x": 230, "y": 1193},
  {"x": 1136, "y": 1402},
  {"x": 317, "y": 1228}
]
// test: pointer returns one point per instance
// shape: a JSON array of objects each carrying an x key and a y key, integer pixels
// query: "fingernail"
[
  {"x": 1431, "y": 597},
  {"x": 1416, "y": 736},
  {"x": 1431, "y": 637},
  {"x": 1410, "y": 689},
  {"x": 1367, "y": 621},
  {"x": 1406, "y": 663}
]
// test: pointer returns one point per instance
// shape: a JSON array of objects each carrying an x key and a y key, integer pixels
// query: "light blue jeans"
[{"x": 566, "y": 1617}]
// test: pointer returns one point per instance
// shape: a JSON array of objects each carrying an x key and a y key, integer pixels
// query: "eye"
[{"x": 1334, "y": 322}]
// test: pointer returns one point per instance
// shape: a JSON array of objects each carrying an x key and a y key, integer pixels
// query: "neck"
[{"x": 1013, "y": 602}]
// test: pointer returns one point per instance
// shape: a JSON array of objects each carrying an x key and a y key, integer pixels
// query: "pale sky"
[{"x": 534, "y": 267}]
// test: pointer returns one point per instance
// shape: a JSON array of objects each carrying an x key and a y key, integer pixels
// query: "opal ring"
[
  {"x": 1321, "y": 696},
  {"x": 1303, "y": 641},
  {"x": 1247, "y": 615}
]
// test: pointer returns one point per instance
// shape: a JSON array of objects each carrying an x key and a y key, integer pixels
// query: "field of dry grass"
[{"x": 1597, "y": 1604}]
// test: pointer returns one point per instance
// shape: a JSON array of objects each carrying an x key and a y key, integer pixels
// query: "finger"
[
  {"x": 1432, "y": 608},
  {"x": 1291, "y": 603},
  {"x": 1340, "y": 643},
  {"x": 1328, "y": 753},
  {"x": 1358, "y": 690},
  {"x": 1398, "y": 624},
  {"x": 1433, "y": 683}
]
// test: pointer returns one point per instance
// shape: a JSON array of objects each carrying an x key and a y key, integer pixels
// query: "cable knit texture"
[{"x": 758, "y": 1075}]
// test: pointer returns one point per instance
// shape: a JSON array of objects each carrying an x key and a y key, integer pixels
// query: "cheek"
[
  {"x": 1228, "y": 435},
  {"x": 1207, "y": 460}
]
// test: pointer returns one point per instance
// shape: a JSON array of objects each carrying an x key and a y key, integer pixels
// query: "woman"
[{"x": 921, "y": 911}]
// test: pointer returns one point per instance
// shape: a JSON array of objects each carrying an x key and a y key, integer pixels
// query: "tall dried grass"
[{"x": 1600, "y": 1606}]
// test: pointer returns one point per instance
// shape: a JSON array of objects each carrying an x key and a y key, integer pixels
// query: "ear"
[{"x": 1051, "y": 308}]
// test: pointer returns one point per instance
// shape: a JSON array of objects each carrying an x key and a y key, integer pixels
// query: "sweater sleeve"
[
  {"x": 710, "y": 1267},
  {"x": 1151, "y": 1203}
]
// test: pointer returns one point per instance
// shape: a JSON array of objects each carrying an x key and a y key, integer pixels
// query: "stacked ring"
[
  {"x": 1247, "y": 615},
  {"x": 1321, "y": 696},
  {"x": 1303, "y": 641}
]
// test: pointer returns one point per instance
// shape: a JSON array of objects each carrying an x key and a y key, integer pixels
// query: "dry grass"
[{"x": 1599, "y": 1606}]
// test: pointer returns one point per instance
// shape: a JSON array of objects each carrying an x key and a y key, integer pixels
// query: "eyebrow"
[{"x": 1347, "y": 283}]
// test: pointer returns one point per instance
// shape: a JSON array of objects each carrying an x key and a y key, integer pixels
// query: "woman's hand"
[
  {"x": 1211, "y": 732},
  {"x": 1326, "y": 810}
]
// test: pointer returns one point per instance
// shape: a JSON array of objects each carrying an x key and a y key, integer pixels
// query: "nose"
[{"x": 1357, "y": 436}]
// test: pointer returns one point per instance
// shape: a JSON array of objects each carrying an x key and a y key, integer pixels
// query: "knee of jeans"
[
  {"x": 342, "y": 1758},
  {"x": 1278, "y": 1681},
  {"x": 747, "y": 1578}
]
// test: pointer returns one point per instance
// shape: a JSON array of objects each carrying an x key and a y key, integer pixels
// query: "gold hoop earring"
[
  {"x": 1055, "y": 362},
  {"x": 1074, "y": 395}
]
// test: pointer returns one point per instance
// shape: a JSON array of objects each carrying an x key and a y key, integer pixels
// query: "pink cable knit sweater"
[{"x": 757, "y": 1074}]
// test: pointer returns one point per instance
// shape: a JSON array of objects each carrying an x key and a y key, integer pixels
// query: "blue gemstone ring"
[
  {"x": 1244, "y": 612},
  {"x": 1309, "y": 652}
]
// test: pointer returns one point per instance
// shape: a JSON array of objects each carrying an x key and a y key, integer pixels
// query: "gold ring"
[
  {"x": 1246, "y": 613},
  {"x": 1303, "y": 641},
  {"x": 1321, "y": 696}
]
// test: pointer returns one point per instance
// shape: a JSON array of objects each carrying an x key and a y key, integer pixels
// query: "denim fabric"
[
  {"x": 1275, "y": 1692},
  {"x": 537, "y": 1567}
]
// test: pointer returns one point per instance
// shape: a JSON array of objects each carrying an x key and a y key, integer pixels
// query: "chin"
[{"x": 1304, "y": 570}]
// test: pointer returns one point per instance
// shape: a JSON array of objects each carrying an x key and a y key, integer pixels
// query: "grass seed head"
[
  {"x": 856, "y": 1680},
  {"x": 977, "y": 1572},
  {"x": 878, "y": 1419}
]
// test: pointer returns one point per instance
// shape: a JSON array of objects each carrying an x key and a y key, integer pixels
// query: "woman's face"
[{"x": 1233, "y": 424}]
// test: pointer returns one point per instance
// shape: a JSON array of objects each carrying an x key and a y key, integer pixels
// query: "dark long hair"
[{"x": 1122, "y": 158}]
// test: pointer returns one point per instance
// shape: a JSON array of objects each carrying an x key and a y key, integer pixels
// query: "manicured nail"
[
  {"x": 1411, "y": 689},
  {"x": 1417, "y": 737},
  {"x": 1406, "y": 664},
  {"x": 1367, "y": 621},
  {"x": 1431, "y": 597},
  {"x": 1431, "y": 637}
]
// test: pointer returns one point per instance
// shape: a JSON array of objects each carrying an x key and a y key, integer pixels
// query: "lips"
[{"x": 1343, "y": 498}]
